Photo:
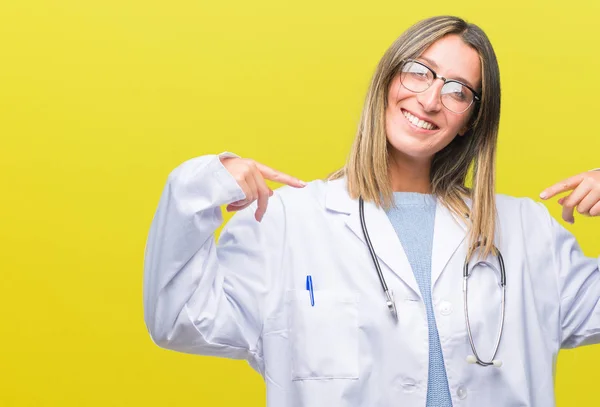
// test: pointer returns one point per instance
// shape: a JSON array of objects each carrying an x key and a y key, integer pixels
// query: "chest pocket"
[{"x": 323, "y": 337}]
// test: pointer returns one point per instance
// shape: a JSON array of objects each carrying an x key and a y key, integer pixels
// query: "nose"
[{"x": 431, "y": 98}]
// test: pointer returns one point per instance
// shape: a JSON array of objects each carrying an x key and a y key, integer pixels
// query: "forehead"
[{"x": 453, "y": 59}]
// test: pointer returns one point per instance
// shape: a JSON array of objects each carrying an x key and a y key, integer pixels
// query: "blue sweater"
[{"x": 413, "y": 220}]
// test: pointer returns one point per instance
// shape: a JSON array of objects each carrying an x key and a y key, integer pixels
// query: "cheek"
[
  {"x": 396, "y": 91},
  {"x": 392, "y": 119},
  {"x": 458, "y": 123}
]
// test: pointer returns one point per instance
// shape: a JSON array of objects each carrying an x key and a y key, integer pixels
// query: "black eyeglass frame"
[{"x": 476, "y": 96}]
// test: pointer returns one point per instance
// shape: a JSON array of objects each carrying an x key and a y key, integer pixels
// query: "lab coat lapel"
[
  {"x": 385, "y": 241},
  {"x": 448, "y": 234}
]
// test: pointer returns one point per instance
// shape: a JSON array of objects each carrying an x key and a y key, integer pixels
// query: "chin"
[
  {"x": 416, "y": 151},
  {"x": 416, "y": 148}
]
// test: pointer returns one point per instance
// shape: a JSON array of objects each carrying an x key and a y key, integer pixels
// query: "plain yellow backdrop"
[{"x": 99, "y": 100}]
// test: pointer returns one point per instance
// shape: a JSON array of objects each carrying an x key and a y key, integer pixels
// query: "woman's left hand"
[{"x": 585, "y": 195}]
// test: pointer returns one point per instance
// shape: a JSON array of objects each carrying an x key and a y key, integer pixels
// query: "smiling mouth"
[{"x": 415, "y": 121}]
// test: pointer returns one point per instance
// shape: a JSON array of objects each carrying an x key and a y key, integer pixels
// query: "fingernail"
[
  {"x": 543, "y": 195},
  {"x": 302, "y": 183}
]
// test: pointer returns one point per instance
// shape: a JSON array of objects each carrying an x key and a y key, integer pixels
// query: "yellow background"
[{"x": 99, "y": 100}]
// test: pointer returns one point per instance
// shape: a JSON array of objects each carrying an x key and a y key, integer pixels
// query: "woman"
[{"x": 293, "y": 288}]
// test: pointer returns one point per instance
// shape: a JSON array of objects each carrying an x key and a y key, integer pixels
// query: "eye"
[{"x": 456, "y": 91}]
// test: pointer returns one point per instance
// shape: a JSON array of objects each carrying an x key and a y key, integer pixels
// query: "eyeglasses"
[{"x": 455, "y": 96}]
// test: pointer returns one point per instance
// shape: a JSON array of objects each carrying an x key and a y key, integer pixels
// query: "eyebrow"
[{"x": 458, "y": 78}]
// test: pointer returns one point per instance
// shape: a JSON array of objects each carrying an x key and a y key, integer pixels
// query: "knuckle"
[{"x": 246, "y": 169}]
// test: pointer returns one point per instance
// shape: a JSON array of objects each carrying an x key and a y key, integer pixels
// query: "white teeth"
[{"x": 417, "y": 122}]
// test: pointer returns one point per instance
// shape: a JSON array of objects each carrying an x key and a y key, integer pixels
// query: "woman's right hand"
[{"x": 250, "y": 176}]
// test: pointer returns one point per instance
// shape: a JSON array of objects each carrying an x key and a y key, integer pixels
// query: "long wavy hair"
[{"x": 368, "y": 163}]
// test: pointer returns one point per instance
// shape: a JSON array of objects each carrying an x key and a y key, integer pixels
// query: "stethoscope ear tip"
[
  {"x": 497, "y": 363},
  {"x": 471, "y": 359}
]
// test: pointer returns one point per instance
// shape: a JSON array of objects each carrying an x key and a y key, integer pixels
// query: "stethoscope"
[{"x": 391, "y": 304}]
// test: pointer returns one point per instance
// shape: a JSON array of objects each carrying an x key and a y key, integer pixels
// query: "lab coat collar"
[{"x": 448, "y": 234}]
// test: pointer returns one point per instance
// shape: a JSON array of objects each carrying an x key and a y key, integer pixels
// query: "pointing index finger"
[
  {"x": 278, "y": 176},
  {"x": 563, "y": 186}
]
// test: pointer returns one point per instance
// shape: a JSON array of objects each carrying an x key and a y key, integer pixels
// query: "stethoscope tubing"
[
  {"x": 466, "y": 274},
  {"x": 390, "y": 302},
  {"x": 502, "y": 284}
]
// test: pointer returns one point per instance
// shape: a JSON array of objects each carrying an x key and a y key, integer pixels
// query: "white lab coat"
[{"x": 246, "y": 298}]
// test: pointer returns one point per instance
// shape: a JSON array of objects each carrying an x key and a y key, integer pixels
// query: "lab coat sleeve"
[
  {"x": 579, "y": 288},
  {"x": 200, "y": 297}
]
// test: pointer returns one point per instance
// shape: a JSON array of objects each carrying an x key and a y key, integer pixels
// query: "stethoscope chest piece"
[{"x": 391, "y": 303}]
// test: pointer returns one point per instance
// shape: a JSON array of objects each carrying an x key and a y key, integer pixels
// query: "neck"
[{"x": 410, "y": 175}]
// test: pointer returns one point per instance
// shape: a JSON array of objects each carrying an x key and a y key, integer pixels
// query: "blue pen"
[{"x": 309, "y": 287}]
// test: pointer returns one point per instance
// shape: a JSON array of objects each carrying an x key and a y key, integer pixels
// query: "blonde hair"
[{"x": 367, "y": 165}]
